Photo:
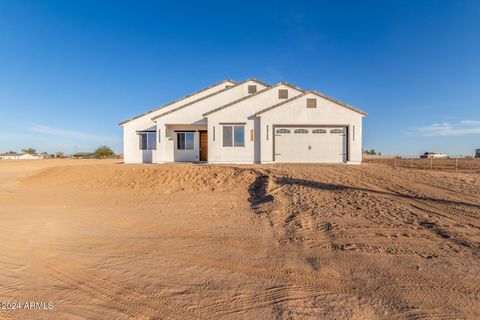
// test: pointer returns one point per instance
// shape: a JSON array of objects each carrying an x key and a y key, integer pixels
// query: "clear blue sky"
[{"x": 71, "y": 70}]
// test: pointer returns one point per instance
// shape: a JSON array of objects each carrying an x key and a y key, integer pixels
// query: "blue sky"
[{"x": 70, "y": 71}]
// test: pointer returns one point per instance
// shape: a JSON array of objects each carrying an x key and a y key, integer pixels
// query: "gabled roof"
[
  {"x": 209, "y": 95},
  {"x": 340, "y": 103},
  {"x": 177, "y": 100},
  {"x": 253, "y": 95}
]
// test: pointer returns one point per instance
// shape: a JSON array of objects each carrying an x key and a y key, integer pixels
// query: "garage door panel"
[{"x": 310, "y": 144}]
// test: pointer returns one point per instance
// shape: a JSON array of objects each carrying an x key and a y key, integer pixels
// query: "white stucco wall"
[
  {"x": 192, "y": 116},
  {"x": 242, "y": 112},
  {"x": 170, "y": 143},
  {"x": 297, "y": 113},
  {"x": 131, "y": 148}
]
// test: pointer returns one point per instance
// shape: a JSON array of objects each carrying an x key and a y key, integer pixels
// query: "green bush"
[{"x": 104, "y": 152}]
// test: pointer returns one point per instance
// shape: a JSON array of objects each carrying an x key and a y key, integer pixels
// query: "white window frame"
[
  {"x": 234, "y": 143},
  {"x": 151, "y": 142},
  {"x": 185, "y": 140}
]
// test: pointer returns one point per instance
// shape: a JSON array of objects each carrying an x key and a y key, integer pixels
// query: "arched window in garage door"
[
  {"x": 282, "y": 131},
  {"x": 300, "y": 131},
  {"x": 337, "y": 131},
  {"x": 319, "y": 131}
]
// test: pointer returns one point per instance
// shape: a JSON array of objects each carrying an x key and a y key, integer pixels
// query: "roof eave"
[
  {"x": 342, "y": 104},
  {"x": 177, "y": 100},
  {"x": 210, "y": 95},
  {"x": 253, "y": 95}
]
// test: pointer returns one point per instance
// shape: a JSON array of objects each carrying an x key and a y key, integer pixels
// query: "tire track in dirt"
[
  {"x": 132, "y": 301},
  {"x": 277, "y": 295},
  {"x": 418, "y": 202},
  {"x": 298, "y": 208}
]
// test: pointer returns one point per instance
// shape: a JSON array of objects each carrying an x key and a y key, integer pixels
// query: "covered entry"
[{"x": 310, "y": 144}]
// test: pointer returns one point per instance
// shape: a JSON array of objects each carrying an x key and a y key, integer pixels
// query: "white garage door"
[{"x": 310, "y": 144}]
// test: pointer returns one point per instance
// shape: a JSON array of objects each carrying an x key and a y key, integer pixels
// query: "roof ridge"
[
  {"x": 177, "y": 100},
  {"x": 346, "y": 105},
  {"x": 253, "y": 95},
  {"x": 208, "y": 96}
]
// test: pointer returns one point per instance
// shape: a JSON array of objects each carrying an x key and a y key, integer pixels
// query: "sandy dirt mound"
[
  {"x": 167, "y": 178},
  {"x": 108, "y": 241}
]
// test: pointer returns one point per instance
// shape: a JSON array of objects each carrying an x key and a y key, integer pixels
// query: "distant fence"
[{"x": 471, "y": 165}]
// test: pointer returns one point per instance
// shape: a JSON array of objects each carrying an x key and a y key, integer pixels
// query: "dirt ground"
[{"x": 103, "y": 240}]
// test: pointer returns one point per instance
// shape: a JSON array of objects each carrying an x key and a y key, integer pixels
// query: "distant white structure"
[
  {"x": 429, "y": 155},
  {"x": 477, "y": 153},
  {"x": 17, "y": 156}
]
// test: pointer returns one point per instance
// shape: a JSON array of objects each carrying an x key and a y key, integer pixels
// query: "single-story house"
[
  {"x": 83, "y": 155},
  {"x": 247, "y": 122},
  {"x": 17, "y": 156}
]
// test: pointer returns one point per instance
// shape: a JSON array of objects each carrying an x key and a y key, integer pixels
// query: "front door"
[{"x": 203, "y": 146}]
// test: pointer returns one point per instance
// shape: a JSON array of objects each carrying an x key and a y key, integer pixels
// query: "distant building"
[
  {"x": 477, "y": 153},
  {"x": 18, "y": 156},
  {"x": 83, "y": 155},
  {"x": 429, "y": 155}
]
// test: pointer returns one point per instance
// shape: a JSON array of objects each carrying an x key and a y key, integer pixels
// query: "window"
[
  {"x": 227, "y": 136},
  {"x": 336, "y": 131},
  {"x": 213, "y": 133},
  {"x": 239, "y": 136},
  {"x": 282, "y": 94},
  {"x": 148, "y": 140},
  {"x": 267, "y": 132},
  {"x": 159, "y": 135},
  {"x": 311, "y": 103},
  {"x": 353, "y": 133},
  {"x": 319, "y": 131},
  {"x": 300, "y": 131},
  {"x": 184, "y": 140},
  {"x": 252, "y": 89},
  {"x": 283, "y": 131},
  {"x": 233, "y": 136}
]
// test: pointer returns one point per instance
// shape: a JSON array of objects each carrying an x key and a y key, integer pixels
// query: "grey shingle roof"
[
  {"x": 208, "y": 96},
  {"x": 174, "y": 101},
  {"x": 340, "y": 103},
  {"x": 253, "y": 95}
]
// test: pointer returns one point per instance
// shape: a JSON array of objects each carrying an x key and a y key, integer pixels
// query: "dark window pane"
[
  {"x": 227, "y": 136},
  {"x": 143, "y": 141},
  {"x": 180, "y": 141},
  {"x": 239, "y": 136},
  {"x": 189, "y": 141},
  {"x": 152, "y": 145}
]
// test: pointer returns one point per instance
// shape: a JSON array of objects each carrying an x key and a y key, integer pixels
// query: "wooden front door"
[{"x": 203, "y": 146}]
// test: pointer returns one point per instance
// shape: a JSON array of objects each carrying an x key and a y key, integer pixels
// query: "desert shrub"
[{"x": 104, "y": 152}]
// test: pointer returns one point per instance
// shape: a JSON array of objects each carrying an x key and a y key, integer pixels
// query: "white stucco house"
[
  {"x": 16, "y": 156},
  {"x": 247, "y": 122}
]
